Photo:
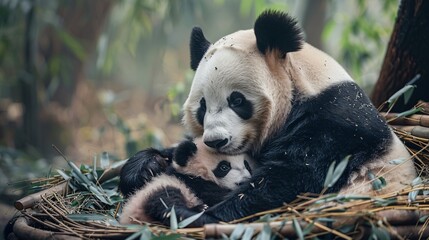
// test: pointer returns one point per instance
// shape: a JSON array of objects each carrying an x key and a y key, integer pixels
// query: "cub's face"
[
  {"x": 228, "y": 171},
  {"x": 228, "y": 104}
]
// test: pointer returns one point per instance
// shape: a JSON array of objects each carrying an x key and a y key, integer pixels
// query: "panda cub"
[{"x": 196, "y": 178}]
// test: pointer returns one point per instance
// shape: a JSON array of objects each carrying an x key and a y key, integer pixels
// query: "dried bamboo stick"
[
  {"x": 417, "y": 131},
  {"x": 23, "y": 230},
  {"x": 31, "y": 200},
  {"x": 413, "y": 120}
]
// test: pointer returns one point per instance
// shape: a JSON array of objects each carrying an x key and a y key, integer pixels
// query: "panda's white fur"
[
  {"x": 199, "y": 169},
  {"x": 275, "y": 82},
  {"x": 397, "y": 176},
  {"x": 134, "y": 207}
]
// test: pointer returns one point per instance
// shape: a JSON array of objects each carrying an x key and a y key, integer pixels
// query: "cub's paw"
[{"x": 142, "y": 167}]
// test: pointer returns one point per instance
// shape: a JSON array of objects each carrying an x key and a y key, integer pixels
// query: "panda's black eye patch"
[
  {"x": 236, "y": 102},
  {"x": 201, "y": 112},
  {"x": 222, "y": 169},
  {"x": 240, "y": 105}
]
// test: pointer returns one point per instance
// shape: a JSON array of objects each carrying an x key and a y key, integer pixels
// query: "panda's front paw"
[{"x": 142, "y": 167}]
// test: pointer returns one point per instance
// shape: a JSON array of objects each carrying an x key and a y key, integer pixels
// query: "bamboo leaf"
[
  {"x": 400, "y": 92},
  {"x": 408, "y": 94},
  {"x": 412, "y": 196},
  {"x": 377, "y": 184},
  {"x": 409, "y": 112},
  {"x": 325, "y": 219},
  {"x": 63, "y": 174},
  {"x": 99, "y": 195},
  {"x": 307, "y": 230},
  {"x": 78, "y": 173},
  {"x": 146, "y": 233},
  {"x": 379, "y": 233},
  {"x": 168, "y": 237},
  {"x": 339, "y": 170},
  {"x": 298, "y": 229},
  {"x": 416, "y": 181},
  {"x": 189, "y": 220},
  {"x": 137, "y": 234},
  {"x": 173, "y": 220},
  {"x": 397, "y": 161},
  {"x": 380, "y": 202},
  {"x": 265, "y": 234},
  {"x": 329, "y": 175},
  {"x": 248, "y": 233},
  {"x": 423, "y": 219},
  {"x": 238, "y": 231},
  {"x": 347, "y": 228},
  {"x": 82, "y": 217}
]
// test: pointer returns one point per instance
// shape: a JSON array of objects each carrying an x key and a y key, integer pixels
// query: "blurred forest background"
[{"x": 102, "y": 79}]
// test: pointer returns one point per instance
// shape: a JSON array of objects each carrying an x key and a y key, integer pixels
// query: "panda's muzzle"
[{"x": 217, "y": 143}]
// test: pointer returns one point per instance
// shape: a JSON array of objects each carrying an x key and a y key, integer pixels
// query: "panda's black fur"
[
  {"x": 198, "y": 46},
  {"x": 142, "y": 167},
  {"x": 188, "y": 184}
]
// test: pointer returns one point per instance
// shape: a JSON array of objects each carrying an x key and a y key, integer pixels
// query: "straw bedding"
[{"x": 85, "y": 210}]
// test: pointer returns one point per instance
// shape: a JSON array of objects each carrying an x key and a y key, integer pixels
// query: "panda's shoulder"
[
  {"x": 340, "y": 120},
  {"x": 343, "y": 104}
]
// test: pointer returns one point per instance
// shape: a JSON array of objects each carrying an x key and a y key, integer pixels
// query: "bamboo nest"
[{"x": 398, "y": 215}]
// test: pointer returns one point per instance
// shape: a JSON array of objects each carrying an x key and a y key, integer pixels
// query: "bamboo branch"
[{"x": 31, "y": 200}]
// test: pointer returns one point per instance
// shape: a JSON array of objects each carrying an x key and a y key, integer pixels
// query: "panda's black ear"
[
  {"x": 184, "y": 152},
  {"x": 198, "y": 46},
  {"x": 277, "y": 30}
]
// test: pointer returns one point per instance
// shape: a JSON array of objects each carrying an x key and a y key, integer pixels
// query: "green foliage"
[
  {"x": 85, "y": 179},
  {"x": 256, "y": 7},
  {"x": 20, "y": 30},
  {"x": 358, "y": 38},
  {"x": 185, "y": 222},
  {"x": 377, "y": 182},
  {"x": 335, "y": 172}
]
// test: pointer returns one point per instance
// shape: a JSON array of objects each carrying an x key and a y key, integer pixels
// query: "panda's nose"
[{"x": 218, "y": 143}]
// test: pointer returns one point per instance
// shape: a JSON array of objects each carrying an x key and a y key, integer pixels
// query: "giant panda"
[
  {"x": 195, "y": 179},
  {"x": 294, "y": 109}
]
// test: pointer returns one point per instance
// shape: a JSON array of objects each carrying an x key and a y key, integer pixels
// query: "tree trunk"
[
  {"x": 84, "y": 21},
  {"x": 407, "y": 55}
]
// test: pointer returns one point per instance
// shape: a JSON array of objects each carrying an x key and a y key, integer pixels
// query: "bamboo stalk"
[
  {"x": 413, "y": 120},
  {"x": 31, "y": 200},
  {"x": 417, "y": 131}
]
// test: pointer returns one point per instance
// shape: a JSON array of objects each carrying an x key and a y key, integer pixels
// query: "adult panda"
[
  {"x": 295, "y": 109},
  {"x": 196, "y": 178}
]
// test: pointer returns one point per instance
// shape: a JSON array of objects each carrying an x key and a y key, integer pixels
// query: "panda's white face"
[
  {"x": 227, "y": 171},
  {"x": 232, "y": 171},
  {"x": 231, "y": 101},
  {"x": 228, "y": 104}
]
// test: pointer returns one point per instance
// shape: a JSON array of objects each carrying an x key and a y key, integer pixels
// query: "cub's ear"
[
  {"x": 198, "y": 46},
  {"x": 275, "y": 30},
  {"x": 184, "y": 152}
]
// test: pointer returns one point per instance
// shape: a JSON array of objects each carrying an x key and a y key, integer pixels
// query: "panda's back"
[{"x": 327, "y": 127}]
